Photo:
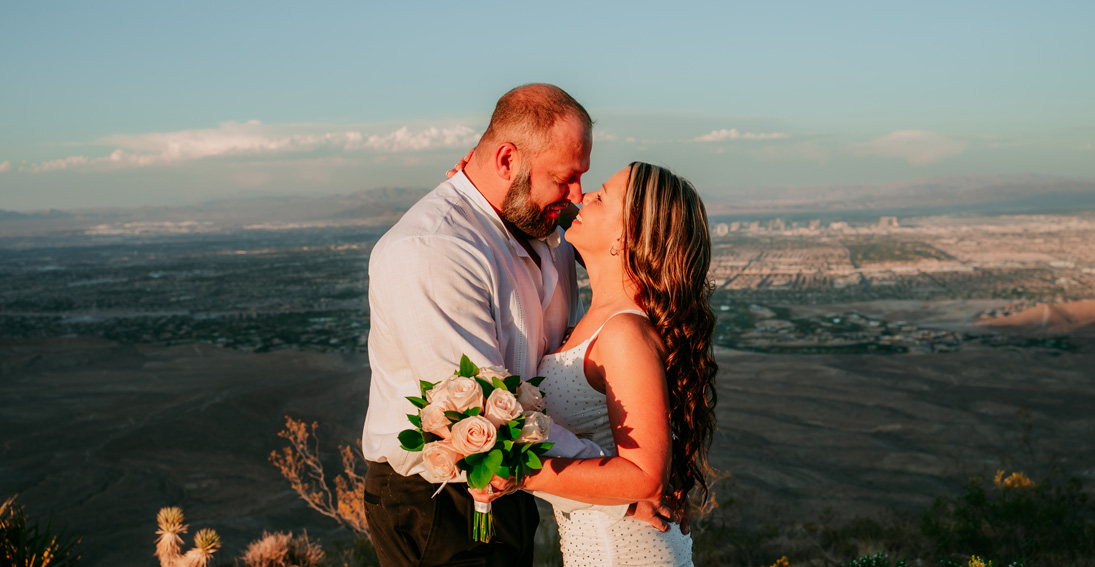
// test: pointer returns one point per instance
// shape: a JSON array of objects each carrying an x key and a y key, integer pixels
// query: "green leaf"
[
  {"x": 454, "y": 415},
  {"x": 504, "y": 471},
  {"x": 499, "y": 383},
  {"x": 411, "y": 440},
  {"x": 467, "y": 368},
  {"x": 512, "y": 382},
  {"x": 541, "y": 448},
  {"x": 487, "y": 387},
  {"x": 472, "y": 412},
  {"x": 418, "y": 402},
  {"x": 415, "y": 420},
  {"x": 475, "y": 458},
  {"x": 425, "y": 386},
  {"x": 479, "y": 476},
  {"x": 493, "y": 461},
  {"x": 535, "y": 380},
  {"x": 533, "y": 461},
  {"x": 507, "y": 445}
]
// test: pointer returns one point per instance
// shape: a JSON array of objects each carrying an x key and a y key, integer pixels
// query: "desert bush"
[
  {"x": 836, "y": 538},
  {"x": 168, "y": 545},
  {"x": 24, "y": 544},
  {"x": 880, "y": 559},
  {"x": 733, "y": 530},
  {"x": 300, "y": 464},
  {"x": 281, "y": 549},
  {"x": 1015, "y": 519}
]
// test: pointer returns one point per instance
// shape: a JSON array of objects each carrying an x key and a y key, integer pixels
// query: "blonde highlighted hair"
[{"x": 667, "y": 249}]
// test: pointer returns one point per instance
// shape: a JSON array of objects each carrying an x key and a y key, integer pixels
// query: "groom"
[{"x": 477, "y": 267}]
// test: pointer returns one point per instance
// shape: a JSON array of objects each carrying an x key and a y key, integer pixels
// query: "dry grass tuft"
[{"x": 281, "y": 549}]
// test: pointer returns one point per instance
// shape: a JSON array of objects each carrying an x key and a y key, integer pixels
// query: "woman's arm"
[{"x": 628, "y": 356}]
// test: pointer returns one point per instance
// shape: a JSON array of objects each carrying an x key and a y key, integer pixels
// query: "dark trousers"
[{"x": 409, "y": 528}]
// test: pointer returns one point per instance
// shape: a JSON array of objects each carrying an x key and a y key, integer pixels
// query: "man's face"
[{"x": 546, "y": 185}]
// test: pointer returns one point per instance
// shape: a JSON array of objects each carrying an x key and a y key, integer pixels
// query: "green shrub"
[
  {"x": 1014, "y": 519},
  {"x": 25, "y": 544}
]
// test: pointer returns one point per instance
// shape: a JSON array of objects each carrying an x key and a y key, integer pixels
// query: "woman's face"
[{"x": 600, "y": 223}]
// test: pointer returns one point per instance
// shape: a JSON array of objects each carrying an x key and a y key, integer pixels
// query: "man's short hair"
[{"x": 525, "y": 115}]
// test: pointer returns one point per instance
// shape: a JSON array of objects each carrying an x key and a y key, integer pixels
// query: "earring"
[{"x": 614, "y": 251}]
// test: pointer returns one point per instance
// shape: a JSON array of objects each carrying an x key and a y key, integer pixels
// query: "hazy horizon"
[{"x": 131, "y": 104}]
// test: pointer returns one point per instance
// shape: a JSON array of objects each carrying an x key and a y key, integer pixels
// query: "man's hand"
[{"x": 460, "y": 165}]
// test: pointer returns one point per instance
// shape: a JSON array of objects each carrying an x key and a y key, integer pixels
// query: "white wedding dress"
[{"x": 601, "y": 535}]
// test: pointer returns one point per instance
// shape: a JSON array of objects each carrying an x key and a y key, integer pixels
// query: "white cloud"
[
  {"x": 254, "y": 138},
  {"x": 602, "y": 136},
  {"x": 630, "y": 139},
  {"x": 733, "y": 134},
  {"x": 719, "y": 135},
  {"x": 5, "y": 166},
  {"x": 771, "y": 136},
  {"x": 404, "y": 139},
  {"x": 1087, "y": 147},
  {"x": 59, "y": 164},
  {"x": 914, "y": 146}
]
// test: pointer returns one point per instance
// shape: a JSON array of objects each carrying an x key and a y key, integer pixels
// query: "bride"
[{"x": 636, "y": 375}]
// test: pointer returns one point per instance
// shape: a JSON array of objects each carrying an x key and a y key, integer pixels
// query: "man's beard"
[{"x": 519, "y": 210}]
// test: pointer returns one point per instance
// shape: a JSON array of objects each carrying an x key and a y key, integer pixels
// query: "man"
[{"x": 477, "y": 267}]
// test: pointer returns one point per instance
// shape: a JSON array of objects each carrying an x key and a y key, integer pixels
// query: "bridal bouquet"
[{"x": 481, "y": 421}]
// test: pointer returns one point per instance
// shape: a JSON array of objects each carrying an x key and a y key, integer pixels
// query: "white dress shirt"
[{"x": 449, "y": 279}]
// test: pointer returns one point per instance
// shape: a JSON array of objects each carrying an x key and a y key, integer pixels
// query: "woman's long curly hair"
[{"x": 667, "y": 249}]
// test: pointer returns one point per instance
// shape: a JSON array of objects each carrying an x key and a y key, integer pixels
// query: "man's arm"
[{"x": 435, "y": 293}]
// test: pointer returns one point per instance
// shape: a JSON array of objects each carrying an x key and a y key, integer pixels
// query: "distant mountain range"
[
  {"x": 224, "y": 214},
  {"x": 969, "y": 194},
  {"x": 986, "y": 194}
]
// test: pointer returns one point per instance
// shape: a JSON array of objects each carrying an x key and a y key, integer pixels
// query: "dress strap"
[{"x": 598, "y": 331}]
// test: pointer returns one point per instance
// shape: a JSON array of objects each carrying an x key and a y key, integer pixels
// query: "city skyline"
[{"x": 123, "y": 103}]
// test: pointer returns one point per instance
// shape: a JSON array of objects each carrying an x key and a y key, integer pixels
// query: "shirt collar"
[{"x": 465, "y": 187}]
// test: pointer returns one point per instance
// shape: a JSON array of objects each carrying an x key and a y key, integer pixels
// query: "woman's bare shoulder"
[{"x": 628, "y": 336}]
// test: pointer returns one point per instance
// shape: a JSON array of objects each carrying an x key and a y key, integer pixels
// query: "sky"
[{"x": 116, "y": 104}]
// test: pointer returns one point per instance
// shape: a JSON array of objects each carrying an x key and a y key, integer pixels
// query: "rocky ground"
[{"x": 102, "y": 435}]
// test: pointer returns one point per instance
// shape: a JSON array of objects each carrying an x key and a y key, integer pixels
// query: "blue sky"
[{"x": 151, "y": 103}]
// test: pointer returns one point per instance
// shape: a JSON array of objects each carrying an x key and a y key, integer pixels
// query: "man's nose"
[{"x": 574, "y": 193}]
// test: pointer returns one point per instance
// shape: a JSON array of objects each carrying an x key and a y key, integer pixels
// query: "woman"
[{"x": 642, "y": 353}]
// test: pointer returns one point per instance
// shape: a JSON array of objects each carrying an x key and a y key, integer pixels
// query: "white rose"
[
  {"x": 489, "y": 372},
  {"x": 438, "y": 387},
  {"x": 457, "y": 394},
  {"x": 434, "y": 420},
  {"x": 439, "y": 458},
  {"x": 537, "y": 428},
  {"x": 530, "y": 397},
  {"x": 474, "y": 434},
  {"x": 501, "y": 407}
]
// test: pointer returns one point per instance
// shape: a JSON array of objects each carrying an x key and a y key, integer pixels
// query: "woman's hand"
[
  {"x": 460, "y": 164},
  {"x": 659, "y": 515},
  {"x": 497, "y": 488}
]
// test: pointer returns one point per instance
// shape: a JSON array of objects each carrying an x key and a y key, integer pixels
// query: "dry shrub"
[
  {"x": 281, "y": 549},
  {"x": 300, "y": 464},
  {"x": 702, "y": 507}
]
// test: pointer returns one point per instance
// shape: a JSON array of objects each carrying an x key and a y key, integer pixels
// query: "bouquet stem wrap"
[{"x": 482, "y": 522}]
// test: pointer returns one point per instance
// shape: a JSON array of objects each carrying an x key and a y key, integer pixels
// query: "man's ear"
[{"x": 507, "y": 161}]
